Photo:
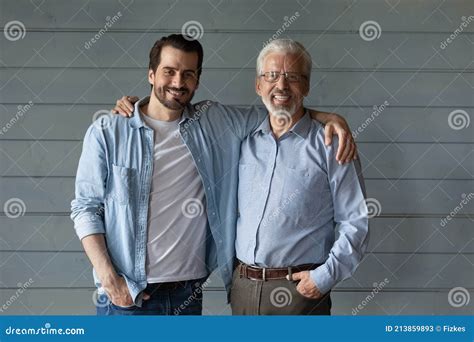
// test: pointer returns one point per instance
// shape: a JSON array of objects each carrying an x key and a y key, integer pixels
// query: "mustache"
[
  {"x": 177, "y": 89},
  {"x": 280, "y": 92}
]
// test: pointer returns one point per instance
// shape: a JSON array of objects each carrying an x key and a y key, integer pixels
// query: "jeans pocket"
[{"x": 131, "y": 307}]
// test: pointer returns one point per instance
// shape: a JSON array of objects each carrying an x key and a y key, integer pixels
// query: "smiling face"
[
  {"x": 282, "y": 95},
  {"x": 176, "y": 77}
]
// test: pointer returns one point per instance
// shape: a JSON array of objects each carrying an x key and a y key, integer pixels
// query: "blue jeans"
[{"x": 182, "y": 298}]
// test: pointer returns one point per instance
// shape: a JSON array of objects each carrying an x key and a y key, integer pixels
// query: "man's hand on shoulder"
[
  {"x": 124, "y": 106},
  {"x": 335, "y": 124}
]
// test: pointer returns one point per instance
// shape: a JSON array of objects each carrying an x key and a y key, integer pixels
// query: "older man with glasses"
[{"x": 292, "y": 197}]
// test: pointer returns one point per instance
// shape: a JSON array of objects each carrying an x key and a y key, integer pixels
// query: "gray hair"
[{"x": 286, "y": 46}]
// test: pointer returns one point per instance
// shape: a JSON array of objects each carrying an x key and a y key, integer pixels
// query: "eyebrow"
[{"x": 171, "y": 68}]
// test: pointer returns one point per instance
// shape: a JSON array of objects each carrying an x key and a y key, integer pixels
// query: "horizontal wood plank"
[
  {"x": 221, "y": 50},
  {"x": 247, "y": 15}
]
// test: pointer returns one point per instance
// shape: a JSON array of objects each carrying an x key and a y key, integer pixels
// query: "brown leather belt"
[{"x": 258, "y": 273}]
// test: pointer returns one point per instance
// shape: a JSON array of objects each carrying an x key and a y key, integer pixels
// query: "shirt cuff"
[
  {"x": 85, "y": 226},
  {"x": 135, "y": 293},
  {"x": 322, "y": 279}
]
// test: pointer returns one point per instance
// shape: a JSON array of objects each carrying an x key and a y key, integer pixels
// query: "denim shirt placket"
[{"x": 144, "y": 194}]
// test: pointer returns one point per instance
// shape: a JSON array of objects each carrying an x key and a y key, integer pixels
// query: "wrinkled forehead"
[{"x": 283, "y": 62}]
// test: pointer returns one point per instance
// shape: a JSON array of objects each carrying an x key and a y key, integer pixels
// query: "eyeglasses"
[{"x": 274, "y": 76}]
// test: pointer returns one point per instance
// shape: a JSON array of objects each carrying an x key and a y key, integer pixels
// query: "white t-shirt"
[{"x": 177, "y": 220}]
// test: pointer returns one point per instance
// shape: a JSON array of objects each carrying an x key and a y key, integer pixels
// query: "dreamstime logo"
[
  {"x": 102, "y": 119},
  {"x": 465, "y": 200},
  {"x": 286, "y": 24},
  {"x": 192, "y": 208},
  {"x": 192, "y": 30},
  {"x": 458, "y": 296},
  {"x": 21, "y": 289},
  {"x": 46, "y": 330},
  {"x": 281, "y": 297},
  {"x": 376, "y": 289},
  {"x": 14, "y": 208},
  {"x": 108, "y": 24},
  {"x": 284, "y": 204},
  {"x": 14, "y": 30},
  {"x": 100, "y": 299},
  {"x": 377, "y": 110},
  {"x": 459, "y": 119},
  {"x": 370, "y": 30},
  {"x": 199, "y": 109},
  {"x": 465, "y": 22},
  {"x": 196, "y": 294},
  {"x": 22, "y": 110},
  {"x": 283, "y": 118},
  {"x": 372, "y": 206}
]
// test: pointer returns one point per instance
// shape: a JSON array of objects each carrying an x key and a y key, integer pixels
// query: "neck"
[
  {"x": 156, "y": 110},
  {"x": 280, "y": 127}
]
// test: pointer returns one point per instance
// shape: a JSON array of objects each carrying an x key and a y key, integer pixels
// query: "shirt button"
[
  {"x": 199, "y": 160},
  {"x": 208, "y": 188},
  {"x": 213, "y": 214}
]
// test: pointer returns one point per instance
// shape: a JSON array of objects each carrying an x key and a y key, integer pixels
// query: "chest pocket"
[
  {"x": 306, "y": 183},
  {"x": 120, "y": 184},
  {"x": 305, "y": 194}
]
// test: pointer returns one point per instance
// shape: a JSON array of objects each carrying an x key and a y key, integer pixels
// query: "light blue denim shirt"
[
  {"x": 114, "y": 177},
  {"x": 291, "y": 195}
]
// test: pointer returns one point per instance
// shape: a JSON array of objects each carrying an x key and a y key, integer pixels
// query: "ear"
[
  {"x": 151, "y": 77},
  {"x": 258, "y": 85},
  {"x": 306, "y": 88},
  {"x": 197, "y": 84}
]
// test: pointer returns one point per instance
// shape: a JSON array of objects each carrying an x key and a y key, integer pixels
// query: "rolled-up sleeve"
[
  {"x": 87, "y": 208},
  {"x": 350, "y": 216}
]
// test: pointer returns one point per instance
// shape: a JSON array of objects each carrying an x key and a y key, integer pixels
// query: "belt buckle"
[{"x": 264, "y": 278}]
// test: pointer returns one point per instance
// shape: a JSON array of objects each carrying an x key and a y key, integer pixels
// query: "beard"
[
  {"x": 283, "y": 114},
  {"x": 279, "y": 110},
  {"x": 173, "y": 104}
]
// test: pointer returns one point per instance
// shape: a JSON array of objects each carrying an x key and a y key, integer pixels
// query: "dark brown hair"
[{"x": 178, "y": 41}]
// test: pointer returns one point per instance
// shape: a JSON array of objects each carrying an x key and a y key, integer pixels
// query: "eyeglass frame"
[{"x": 285, "y": 74}]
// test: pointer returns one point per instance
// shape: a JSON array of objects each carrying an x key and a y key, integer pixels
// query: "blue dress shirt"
[{"x": 292, "y": 195}]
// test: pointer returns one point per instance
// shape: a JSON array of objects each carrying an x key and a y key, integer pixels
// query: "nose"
[
  {"x": 177, "y": 81},
  {"x": 282, "y": 82}
]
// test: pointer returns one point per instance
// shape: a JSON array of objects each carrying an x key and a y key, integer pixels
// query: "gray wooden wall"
[{"x": 418, "y": 163}]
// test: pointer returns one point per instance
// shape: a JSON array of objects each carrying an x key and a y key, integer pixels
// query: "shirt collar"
[
  {"x": 264, "y": 126},
  {"x": 137, "y": 121},
  {"x": 303, "y": 125},
  {"x": 301, "y": 128}
]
